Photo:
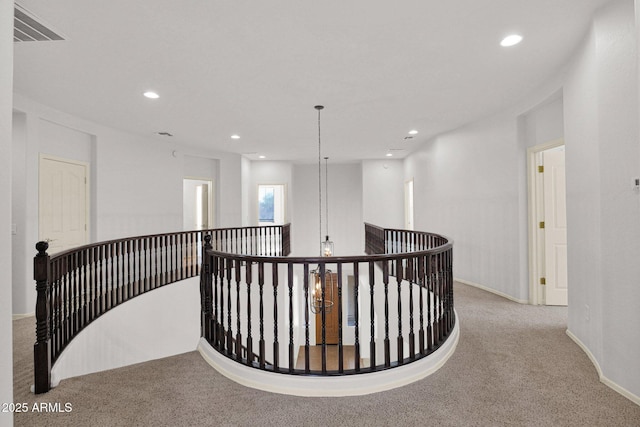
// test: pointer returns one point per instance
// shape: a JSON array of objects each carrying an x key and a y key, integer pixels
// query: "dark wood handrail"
[
  {"x": 417, "y": 264},
  {"x": 76, "y": 286}
]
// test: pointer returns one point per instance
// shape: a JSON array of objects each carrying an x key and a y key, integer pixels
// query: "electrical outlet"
[{"x": 587, "y": 313}]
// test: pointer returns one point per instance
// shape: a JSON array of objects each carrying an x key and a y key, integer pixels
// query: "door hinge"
[
  {"x": 541, "y": 225},
  {"x": 540, "y": 169},
  {"x": 543, "y": 281}
]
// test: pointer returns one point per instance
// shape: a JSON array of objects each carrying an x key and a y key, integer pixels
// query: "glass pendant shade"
[{"x": 327, "y": 247}]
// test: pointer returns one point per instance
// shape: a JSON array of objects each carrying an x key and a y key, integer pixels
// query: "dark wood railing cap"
[{"x": 42, "y": 247}]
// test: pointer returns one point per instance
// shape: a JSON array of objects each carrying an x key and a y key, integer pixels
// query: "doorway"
[
  {"x": 63, "y": 203},
  {"x": 331, "y": 330},
  {"x": 197, "y": 198},
  {"x": 547, "y": 224},
  {"x": 408, "y": 205}
]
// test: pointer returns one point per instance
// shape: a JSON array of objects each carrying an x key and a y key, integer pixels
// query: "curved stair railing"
[
  {"x": 392, "y": 306},
  {"x": 77, "y": 286}
]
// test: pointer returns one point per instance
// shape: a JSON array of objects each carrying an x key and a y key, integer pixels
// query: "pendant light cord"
[
  {"x": 326, "y": 192},
  {"x": 319, "y": 107}
]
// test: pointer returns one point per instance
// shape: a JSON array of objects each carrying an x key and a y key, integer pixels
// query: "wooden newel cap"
[{"x": 42, "y": 248}]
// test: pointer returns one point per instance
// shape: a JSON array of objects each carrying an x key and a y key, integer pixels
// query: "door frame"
[
  {"x": 211, "y": 196},
  {"x": 535, "y": 215},
  {"x": 87, "y": 192},
  {"x": 409, "y": 210}
]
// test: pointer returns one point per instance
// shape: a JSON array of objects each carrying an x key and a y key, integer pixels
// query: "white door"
[
  {"x": 555, "y": 227},
  {"x": 63, "y": 203}
]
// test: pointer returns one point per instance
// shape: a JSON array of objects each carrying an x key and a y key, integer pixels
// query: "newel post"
[
  {"x": 206, "y": 297},
  {"x": 41, "y": 349}
]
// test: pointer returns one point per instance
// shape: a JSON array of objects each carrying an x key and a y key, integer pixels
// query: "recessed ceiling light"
[
  {"x": 511, "y": 40},
  {"x": 389, "y": 155},
  {"x": 413, "y": 132},
  {"x": 234, "y": 136},
  {"x": 261, "y": 157},
  {"x": 151, "y": 95}
]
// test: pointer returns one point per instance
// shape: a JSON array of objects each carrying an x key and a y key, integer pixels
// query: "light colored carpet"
[{"x": 514, "y": 366}]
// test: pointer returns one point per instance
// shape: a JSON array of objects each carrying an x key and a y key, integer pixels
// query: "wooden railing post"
[
  {"x": 41, "y": 349},
  {"x": 206, "y": 291},
  {"x": 286, "y": 240}
]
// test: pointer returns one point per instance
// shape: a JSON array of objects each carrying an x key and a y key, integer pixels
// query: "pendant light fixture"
[{"x": 321, "y": 295}]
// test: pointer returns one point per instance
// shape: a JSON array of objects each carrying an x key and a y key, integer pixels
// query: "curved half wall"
[
  {"x": 334, "y": 386},
  {"x": 157, "y": 324}
]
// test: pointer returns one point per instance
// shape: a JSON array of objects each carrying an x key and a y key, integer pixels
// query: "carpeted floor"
[{"x": 514, "y": 366}]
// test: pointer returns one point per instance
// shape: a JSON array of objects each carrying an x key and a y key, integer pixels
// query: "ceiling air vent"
[{"x": 29, "y": 28}]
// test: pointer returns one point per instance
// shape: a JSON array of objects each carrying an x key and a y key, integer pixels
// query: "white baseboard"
[
  {"x": 22, "y": 316},
  {"x": 604, "y": 380},
  {"x": 493, "y": 291},
  {"x": 331, "y": 386}
]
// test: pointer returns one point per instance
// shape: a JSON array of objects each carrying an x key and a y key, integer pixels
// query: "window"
[
  {"x": 265, "y": 200},
  {"x": 271, "y": 207}
]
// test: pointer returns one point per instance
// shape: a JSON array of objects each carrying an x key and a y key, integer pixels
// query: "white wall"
[
  {"x": 544, "y": 123},
  {"x": 20, "y": 244},
  {"x": 6, "y": 95},
  {"x": 230, "y": 191},
  {"x": 245, "y": 168},
  {"x": 136, "y": 182},
  {"x": 346, "y": 227},
  {"x": 603, "y": 157},
  {"x": 466, "y": 187},
  {"x": 383, "y": 192},
  {"x": 470, "y": 184}
]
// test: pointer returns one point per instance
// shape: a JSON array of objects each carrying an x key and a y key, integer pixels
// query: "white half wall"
[
  {"x": 161, "y": 323},
  {"x": 6, "y": 104}
]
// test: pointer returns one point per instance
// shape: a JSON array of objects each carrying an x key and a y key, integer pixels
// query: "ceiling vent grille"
[{"x": 28, "y": 28}]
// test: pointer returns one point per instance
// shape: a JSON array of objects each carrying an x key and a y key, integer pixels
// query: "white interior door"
[
  {"x": 555, "y": 227},
  {"x": 63, "y": 203}
]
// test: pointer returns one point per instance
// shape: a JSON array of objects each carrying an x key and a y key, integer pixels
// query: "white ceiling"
[{"x": 257, "y": 68}]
